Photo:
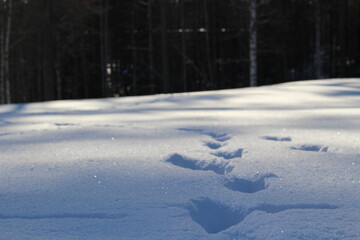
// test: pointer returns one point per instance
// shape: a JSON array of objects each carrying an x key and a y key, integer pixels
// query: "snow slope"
[{"x": 276, "y": 162}]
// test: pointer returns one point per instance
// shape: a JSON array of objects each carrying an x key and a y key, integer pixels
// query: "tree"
[
  {"x": 151, "y": 47},
  {"x": 104, "y": 48},
  {"x": 183, "y": 45},
  {"x": 6, "y": 9},
  {"x": 318, "y": 52},
  {"x": 253, "y": 43},
  {"x": 100, "y": 48},
  {"x": 164, "y": 43}
]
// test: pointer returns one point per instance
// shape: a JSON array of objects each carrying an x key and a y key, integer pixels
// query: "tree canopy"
[{"x": 103, "y": 48}]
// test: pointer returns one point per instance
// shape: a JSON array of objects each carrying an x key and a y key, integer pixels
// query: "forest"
[{"x": 74, "y": 49}]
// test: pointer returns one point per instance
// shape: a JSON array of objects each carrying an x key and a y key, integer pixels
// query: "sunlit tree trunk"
[
  {"x": 253, "y": 44},
  {"x": 3, "y": 50},
  {"x": 5, "y": 33}
]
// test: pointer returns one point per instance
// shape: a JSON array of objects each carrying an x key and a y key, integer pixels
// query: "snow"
[{"x": 274, "y": 162}]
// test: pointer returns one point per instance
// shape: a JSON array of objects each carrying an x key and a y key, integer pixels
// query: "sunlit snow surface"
[{"x": 278, "y": 162}]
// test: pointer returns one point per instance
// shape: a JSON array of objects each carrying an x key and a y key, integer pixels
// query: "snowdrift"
[{"x": 274, "y": 162}]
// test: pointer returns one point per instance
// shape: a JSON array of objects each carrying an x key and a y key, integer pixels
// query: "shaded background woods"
[{"x": 101, "y": 48}]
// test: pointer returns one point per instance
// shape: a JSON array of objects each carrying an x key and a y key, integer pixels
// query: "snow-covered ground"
[{"x": 276, "y": 162}]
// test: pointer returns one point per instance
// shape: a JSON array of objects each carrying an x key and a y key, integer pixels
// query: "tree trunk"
[
  {"x": 134, "y": 53},
  {"x": 353, "y": 46},
  {"x": 5, "y": 34},
  {"x": 6, "y": 52},
  {"x": 151, "y": 47},
  {"x": 58, "y": 78},
  {"x": 2, "y": 55},
  {"x": 207, "y": 43},
  {"x": 48, "y": 53},
  {"x": 253, "y": 44},
  {"x": 317, "y": 56},
  {"x": 104, "y": 48},
  {"x": 342, "y": 38},
  {"x": 183, "y": 45},
  {"x": 164, "y": 43}
]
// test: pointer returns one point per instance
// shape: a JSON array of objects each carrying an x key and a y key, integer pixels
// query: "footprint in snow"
[
  {"x": 213, "y": 145},
  {"x": 253, "y": 185},
  {"x": 230, "y": 155},
  {"x": 64, "y": 124},
  {"x": 311, "y": 148},
  {"x": 215, "y": 217},
  {"x": 5, "y": 134},
  {"x": 218, "y": 167},
  {"x": 191, "y": 130},
  {"x": 219, "y": 137},
  {"x": 278, "y": 139},
  {"x": 222, "y": 137}
]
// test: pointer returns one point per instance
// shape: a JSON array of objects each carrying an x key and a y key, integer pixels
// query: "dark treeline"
[{"x": 68, "y": 49}]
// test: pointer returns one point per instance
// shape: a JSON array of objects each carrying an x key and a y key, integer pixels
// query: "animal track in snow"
[
  {"x": 213, "y": 145},
  {"x": 191, "y": 130},
  {"x": 230, "y": 155},
  {"x": 217, "y": 167},
  {"x": 312, "y": 148},
  {"x": 223, "y": 137},
  {"x": 64, "y": 124},
  {"x": 66, "y": 216},
  {"x": 215, "y": 217},
  {"x": 248, "y": 185},
  {"x": 219, "y": 137},
  {"x": 5, "y": 134},
  {"x": 279, "y": 139}
]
